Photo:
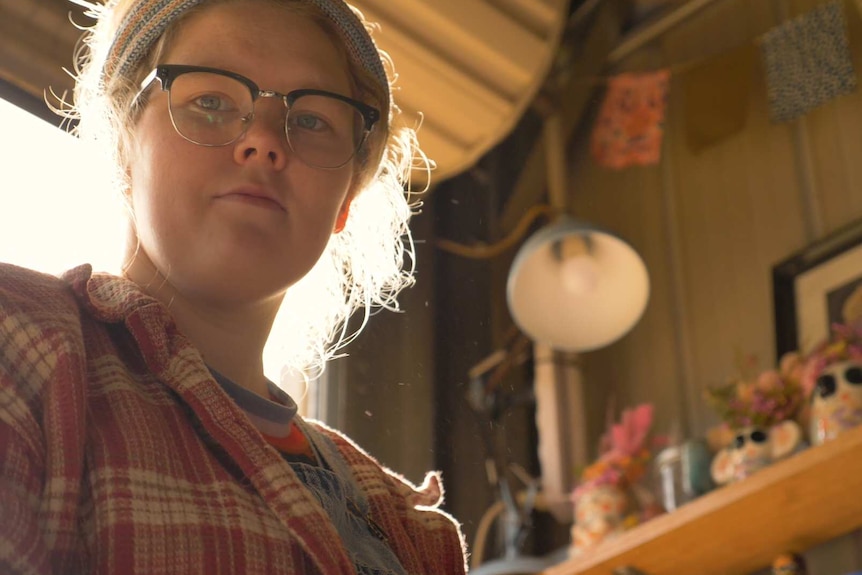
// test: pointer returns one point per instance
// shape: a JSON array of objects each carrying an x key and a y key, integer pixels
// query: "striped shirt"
[{"x": 121, "y": 454}]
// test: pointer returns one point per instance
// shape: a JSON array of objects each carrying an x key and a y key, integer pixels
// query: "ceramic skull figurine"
[
  {"x": 753, "y": 449},
  {"x": 836, "y": 401}
]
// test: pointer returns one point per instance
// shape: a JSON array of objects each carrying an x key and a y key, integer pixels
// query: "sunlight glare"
[{"x": 57, "y": 209}]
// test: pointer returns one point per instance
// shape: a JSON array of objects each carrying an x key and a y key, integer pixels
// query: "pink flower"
[
  {"x": 610, "y": 476},
  {"x": 769, "y": 381},
  {"x": 625, "y": 454},
  {"x": 761, "y": 398},
  {"x": 791, "y": 365},
  {"x": 744, "y": 392},
  {"x": 629, "y": 436}
]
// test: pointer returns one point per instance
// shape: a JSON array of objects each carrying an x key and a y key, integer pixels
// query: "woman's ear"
[{"x": 341, "y": 221}]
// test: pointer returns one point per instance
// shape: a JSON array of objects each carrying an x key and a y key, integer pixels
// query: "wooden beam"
[
  {"x": 602, "y": 37},
  {"x": 650, "y": 32}
]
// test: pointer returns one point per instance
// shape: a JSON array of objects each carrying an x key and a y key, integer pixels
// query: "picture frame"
[{"x": 816, "y": 287}]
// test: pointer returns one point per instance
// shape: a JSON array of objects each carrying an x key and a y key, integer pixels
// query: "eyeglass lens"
[{"x": 215, "y": 110}]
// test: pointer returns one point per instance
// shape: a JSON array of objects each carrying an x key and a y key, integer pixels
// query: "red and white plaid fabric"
[{"x": 120, "y": 454}]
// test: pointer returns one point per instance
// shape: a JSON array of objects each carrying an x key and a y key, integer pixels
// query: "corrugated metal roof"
[{"x": 470, "y": 67}]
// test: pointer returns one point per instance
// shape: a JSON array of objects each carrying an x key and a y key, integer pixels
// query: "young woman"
[{"x": 254, "y": 146}]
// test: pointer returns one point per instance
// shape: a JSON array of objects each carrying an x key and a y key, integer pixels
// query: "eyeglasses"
[{"x": 212, "y": 107}]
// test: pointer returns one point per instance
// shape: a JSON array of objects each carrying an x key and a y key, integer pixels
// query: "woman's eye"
[
  {"x": 309, "y": 122},
  {"x": 213, "y": 103}
]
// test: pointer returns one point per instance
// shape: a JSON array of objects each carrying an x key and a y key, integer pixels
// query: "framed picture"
[{"x": 816, "y": 287}]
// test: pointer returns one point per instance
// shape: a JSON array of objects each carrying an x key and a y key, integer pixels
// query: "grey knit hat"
[{"x": 148, "y": 20}]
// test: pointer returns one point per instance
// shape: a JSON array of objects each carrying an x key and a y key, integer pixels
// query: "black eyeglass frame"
[{"x": 167, "y": 73}]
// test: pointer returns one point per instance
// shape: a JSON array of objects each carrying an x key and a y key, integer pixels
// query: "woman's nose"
[{"x": 265, "y": 139}]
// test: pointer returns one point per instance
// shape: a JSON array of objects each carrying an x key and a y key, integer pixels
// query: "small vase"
[
  {"x": 599, "y": 515},
  {"x": 682, "y": 473}
]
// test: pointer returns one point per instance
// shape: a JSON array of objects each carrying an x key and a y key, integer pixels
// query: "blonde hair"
[{"x": 362, "y": 268}]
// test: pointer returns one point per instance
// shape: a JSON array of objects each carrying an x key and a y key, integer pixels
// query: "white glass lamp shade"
[{"x": 576, "y": 287}]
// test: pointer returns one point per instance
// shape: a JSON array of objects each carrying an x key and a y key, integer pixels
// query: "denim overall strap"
[{"x": 332, "y": 484}]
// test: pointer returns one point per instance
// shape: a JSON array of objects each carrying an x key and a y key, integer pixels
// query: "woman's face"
[{"x": 236, "y": 224}]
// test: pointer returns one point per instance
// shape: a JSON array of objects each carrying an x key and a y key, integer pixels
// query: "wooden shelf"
[{"x": 805, "y": 500}]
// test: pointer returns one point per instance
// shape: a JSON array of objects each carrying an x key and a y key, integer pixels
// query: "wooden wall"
[{"x": 711, "y": 225}]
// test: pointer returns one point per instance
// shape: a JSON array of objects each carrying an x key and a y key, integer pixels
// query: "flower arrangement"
[
  {"x": 764, "y": 398},
  {"x": 761, "y": 398},
  {"x": 626, "y": 450}
]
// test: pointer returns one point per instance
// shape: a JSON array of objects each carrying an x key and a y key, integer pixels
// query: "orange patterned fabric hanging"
[{"x": 629, "y": 127}]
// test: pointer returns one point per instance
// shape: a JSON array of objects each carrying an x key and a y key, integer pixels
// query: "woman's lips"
[{"x": 254, "y": 198}]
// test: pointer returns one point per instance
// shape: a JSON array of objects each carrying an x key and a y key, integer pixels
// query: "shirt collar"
[
  {"x": 114, "y": 299},
  {"x": 108, "y": 297},
  {"x": 271, "y": 417}
]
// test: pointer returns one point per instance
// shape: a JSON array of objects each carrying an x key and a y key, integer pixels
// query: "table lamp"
[{"x": 576, "y": 287}]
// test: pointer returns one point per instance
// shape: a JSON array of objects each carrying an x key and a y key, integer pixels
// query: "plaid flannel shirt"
[{"x": 120, "y": 454}]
